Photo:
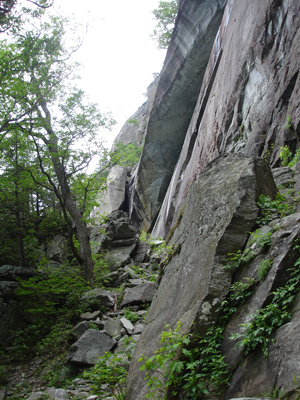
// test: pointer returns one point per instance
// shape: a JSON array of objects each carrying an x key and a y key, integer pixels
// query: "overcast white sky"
[{"x": 118, "y": 53}]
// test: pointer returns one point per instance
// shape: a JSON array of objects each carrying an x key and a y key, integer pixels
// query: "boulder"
[
  {"x": 7, "y": 289},
  {"x": 141, "y": 253},
  {"x": 80, "y": 328},
  {"x": 57, "y": 249},
  {"x": 127, "y": 325},
  {"x": 116, "y": 234},
  {"x": 99, "y": 297},
  {"x": 121, "y": 255},
  {"x": 89, "y": 347},
  {"x": 57, "y": 394},
  {"x": 139, "y": 294},
  {"x": 3, "y": 393},
  {"x": 113, "y": 327},
  {"x": 11, "y": 273},
  {"x": 114, "y": 196},
  {"x": 138, "y": 329},
  {"x": 283, "y": 176},
  {"x": 217, "y": 216},
  {"x": 91, "y": 316}
]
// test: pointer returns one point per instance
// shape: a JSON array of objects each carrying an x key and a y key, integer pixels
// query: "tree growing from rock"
[{"x": 165, "y": 15}]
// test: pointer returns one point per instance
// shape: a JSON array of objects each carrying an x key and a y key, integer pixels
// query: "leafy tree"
[
  {"x": 11, "y": 12},
  {"x": 38, "y": 101},
  {"x": 165, "y": 14},
  {"x": 126, "y": 155}
]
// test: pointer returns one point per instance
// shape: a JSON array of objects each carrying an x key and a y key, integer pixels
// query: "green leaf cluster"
[
  {"x": 266, "y": 204},
  {"x": 236, "y": 260},
  {"x": 51, "y": 299},
  {"x": 287, "y": 157},
  {"x": 263, "y": 268},
  {"x": 265, "y": 321},
  {"x": 110, "y": 370},
  {"x": 188, "y": 365},
  {"x": 165, "y": 15},
  {"x": 126, "y": 155},
  {"x": 131, "y": 316}
]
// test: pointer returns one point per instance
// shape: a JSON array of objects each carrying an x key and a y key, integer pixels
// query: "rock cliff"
[
  {"x": 226, "y": 86},
  {"x": 174, "y": 102},
  {"x": 230, "y": 84}
]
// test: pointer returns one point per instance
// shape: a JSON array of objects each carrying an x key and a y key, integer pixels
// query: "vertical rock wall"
[
  {"x": 219, "y": 212},
  {"x": 249, "y": 100},
  {"x": 180, "y": 81}
]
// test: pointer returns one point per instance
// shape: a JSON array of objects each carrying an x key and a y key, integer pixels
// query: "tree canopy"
[
  {"x": 53, "y": 120},
  {"x": 165, "y": 15}
]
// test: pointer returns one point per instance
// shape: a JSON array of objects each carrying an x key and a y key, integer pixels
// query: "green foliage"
[
  {"x": 287, "y": 158},
  {"x": 36, "y": 72},
  {"x": 51, "y": 299},
  {"x": 126, "y": 155},
  {"x": 133, "y": 121},
  {"x": 165, "y": 14},
  {"x": 239, "y": 291},
  {"x": 153, "y": 242},
  {"x": 103, "y": 265},
  {"x": 289, "y": 122},
  {"x": 166, "y": 361},
  {"x": 263, "y": 268},
  {"x": 266, "y": 204},
  {"x": 185, "y": 364},
  {"x": 50, "y": 225},
  {"x": 285, "y": 155},
  {"x": 131, "y": 316},
  {"x": 265, "y": 321},
  {"x": 264, "y": 240},
  {"x": 236, "y": 260},
  {"x": 111, "y": 370},
  {"x": 233, "y": 261},
  {"x": 53, "y": 288}
]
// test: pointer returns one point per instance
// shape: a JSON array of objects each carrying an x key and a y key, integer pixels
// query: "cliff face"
[
  {"x": 230, "y": 84},
  {"x": 249, "y": 99},
  {"x": 176, "y": 96}
]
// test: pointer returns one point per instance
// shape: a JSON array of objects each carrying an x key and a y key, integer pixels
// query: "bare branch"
[{"x": 39, "y": 5}]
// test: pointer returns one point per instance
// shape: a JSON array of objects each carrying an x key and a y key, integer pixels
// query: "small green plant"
[
  {"x": 263, "y": 268},
  {"x": 187, "y": 366},
  {"x": 235, "y": 260},
  {"x": 266, "y": 204},
  {"x": 239, "y": 291},
  {"x": 133, "y": 121},
  {"x": 52, "y": 299},
  {"x": 126, "y": 155},
  {"x": 294, "y": 159},
  {"x": 111, "y": 370},
  {"x": 131, "y": 316},
  {"x": 166, "y": 362},
  {"x": 264, "y": 240},
  {"x": 285, "y": 155},
  {"x": 273, "y": 316},
  {"x": 289, "y": 122}
]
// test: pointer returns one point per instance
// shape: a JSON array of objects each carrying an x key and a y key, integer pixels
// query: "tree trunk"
[
  {"x": 82, "y": 231},
  {"x": 20, "y": 240}
]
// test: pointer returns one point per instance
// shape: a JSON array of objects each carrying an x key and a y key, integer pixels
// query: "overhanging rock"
[
  {"x": 218, "y": 213},
  {"x": 178, "y": 88},
  {"x": 250, "y": 92}
]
